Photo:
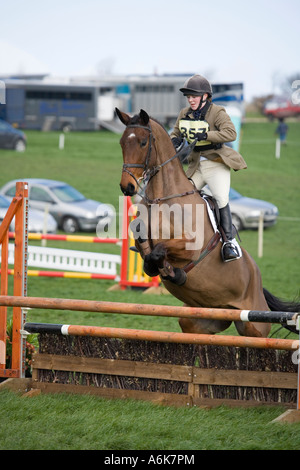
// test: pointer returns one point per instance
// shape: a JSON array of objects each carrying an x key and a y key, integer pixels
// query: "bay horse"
[{"x": 197, "y": 276}]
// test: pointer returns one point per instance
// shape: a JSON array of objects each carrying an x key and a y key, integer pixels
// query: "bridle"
[
  {"x": 148, "y": 173},
  {"x": 140, "y": 165}
]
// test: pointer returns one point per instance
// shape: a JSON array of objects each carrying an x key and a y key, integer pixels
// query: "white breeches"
[{"x": 217, "y": 176}]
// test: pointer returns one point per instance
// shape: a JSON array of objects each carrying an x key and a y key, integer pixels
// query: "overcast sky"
[{"x": 255, "y": 41}]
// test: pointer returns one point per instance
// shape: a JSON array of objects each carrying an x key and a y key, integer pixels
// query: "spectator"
[{"x": 282, "y": 131}]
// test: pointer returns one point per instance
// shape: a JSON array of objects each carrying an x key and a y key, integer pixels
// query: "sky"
[{"x": 226, "y": 41}]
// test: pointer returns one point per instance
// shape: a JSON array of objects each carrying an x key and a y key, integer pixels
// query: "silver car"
[
  {"x": 36, "y": 219},
  {"x": 246, "y": 211},
  {"x": 11, "y": 138},
  {"x": 72, "y": 211}
]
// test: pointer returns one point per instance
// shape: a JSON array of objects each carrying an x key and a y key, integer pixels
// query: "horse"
[{"x": 192, "y": 271}]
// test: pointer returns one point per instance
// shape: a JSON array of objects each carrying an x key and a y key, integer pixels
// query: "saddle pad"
[{"x": 214, "y": 224}]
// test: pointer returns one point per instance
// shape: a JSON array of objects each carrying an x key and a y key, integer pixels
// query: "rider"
[{"x": 210, "y": 161}]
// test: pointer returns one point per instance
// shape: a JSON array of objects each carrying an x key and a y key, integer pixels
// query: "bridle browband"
[{"x": 148, "y": 173}]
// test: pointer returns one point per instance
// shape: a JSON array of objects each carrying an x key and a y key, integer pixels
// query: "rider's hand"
[
  {"x": 201, "y": 136},
  {"x": 177, "y": 141}
]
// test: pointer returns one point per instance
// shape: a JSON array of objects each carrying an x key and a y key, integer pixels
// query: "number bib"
[{"x": 190, "y": 128}]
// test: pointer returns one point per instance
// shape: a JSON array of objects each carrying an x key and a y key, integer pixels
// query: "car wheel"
[
  {"x": 236, "y": 221},
  {"x": 20, "y": 146},
  {"x": 70, "y": 225}
]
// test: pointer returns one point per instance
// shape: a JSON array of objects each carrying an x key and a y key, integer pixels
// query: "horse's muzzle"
[{"x": 129, "y": 190}]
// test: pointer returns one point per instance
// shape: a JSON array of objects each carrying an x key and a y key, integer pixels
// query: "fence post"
[
  {"x": 20, "y": 279},
  {"x": 4, "y": 291}
]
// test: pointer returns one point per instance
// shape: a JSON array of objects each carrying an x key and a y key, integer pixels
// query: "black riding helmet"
[{"x": 196, "y": 85}]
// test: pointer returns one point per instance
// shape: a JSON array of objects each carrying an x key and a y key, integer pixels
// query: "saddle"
[{"x": 215, "y": 213}]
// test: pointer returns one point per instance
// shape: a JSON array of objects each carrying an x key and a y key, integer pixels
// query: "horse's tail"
[{"x": 278, "y": 305}]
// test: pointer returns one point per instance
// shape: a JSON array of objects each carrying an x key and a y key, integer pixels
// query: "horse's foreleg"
[
  {"x": 175, "y": 275},
  {"x": 155, "y": 263}
]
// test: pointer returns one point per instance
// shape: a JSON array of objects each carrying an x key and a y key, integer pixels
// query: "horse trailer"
[{"x": 88, "y": 104}]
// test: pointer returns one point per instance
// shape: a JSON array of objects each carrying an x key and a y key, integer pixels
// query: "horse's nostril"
[{"x": 129, "y": 190}]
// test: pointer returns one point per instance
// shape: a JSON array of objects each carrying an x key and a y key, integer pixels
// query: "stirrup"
[{"x": 236, "y": 252}]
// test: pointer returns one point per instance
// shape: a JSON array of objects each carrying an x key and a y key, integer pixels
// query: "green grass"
[
  {"x": 68, "y": 422},
  {"x": 92, "y": 163}
]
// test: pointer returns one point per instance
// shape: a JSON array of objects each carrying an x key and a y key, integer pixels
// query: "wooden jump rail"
[
  {"x": 156, "y": 310},
  {"x": 283, "y": 318},
  {"x": 163, "y": 336}
]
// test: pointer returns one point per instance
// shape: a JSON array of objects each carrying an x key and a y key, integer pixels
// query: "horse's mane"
[{"x": 160, "y": 124}]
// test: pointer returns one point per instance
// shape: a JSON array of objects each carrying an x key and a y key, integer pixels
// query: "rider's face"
[{"x": 194, "y": 101}]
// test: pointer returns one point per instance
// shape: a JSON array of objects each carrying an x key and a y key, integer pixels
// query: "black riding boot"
[{"x": 229, "y": 250}]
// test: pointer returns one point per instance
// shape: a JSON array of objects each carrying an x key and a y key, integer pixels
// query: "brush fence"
[{"x": 165, "y": 373}]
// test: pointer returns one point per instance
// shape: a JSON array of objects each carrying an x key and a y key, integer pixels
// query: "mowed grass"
[
  {"x": 68, "y": 422},
  {"x": 92, "y": 163}
]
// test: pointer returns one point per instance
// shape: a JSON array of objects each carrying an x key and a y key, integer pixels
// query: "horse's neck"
[{"x": 169, "y": 180}]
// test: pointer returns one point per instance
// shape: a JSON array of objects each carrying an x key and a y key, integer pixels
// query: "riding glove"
[
  {"x": 201, "y": 136},
  {"x": 177, "y": 141}
]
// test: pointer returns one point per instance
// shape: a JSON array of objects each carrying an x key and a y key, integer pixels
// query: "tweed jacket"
[{"x": 221, "y": 130}]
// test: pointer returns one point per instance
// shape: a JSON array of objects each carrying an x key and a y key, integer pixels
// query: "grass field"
[{"x": 92, "y": 163}]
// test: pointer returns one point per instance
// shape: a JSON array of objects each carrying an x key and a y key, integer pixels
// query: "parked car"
[
  {"x": 36, "y": 219},
  {"x": 281, "y": 107},
  {"x": 246, "y": 211},
  {"x": 72, "y": 211},
  {"x": 11, "y": 138}
]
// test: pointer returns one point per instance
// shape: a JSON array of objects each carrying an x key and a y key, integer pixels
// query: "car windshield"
[
  {"x": 67, "y": 194},
  {"x": 233, "y": 194},
  {"x": 4, "y": 204}
]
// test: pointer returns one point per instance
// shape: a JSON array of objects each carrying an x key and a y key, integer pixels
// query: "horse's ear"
[
  {"x": 123, "y": 116},
  {"x": 144, "y": 117}
]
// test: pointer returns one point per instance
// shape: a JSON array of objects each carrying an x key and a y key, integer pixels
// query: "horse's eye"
[{"x": 143, "y": 143}]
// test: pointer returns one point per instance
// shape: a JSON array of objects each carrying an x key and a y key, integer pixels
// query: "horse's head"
[{"x": 136, "y": 143}]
